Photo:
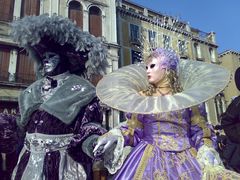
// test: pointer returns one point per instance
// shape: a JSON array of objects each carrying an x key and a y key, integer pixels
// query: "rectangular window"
[
  {"x": 182, "y": 47},
  {"x": 136, "y": 56},
  {"x": 134, "y": 33},
  {"x": 166, "y": 41},
  {"x": 152, "y": 38}
]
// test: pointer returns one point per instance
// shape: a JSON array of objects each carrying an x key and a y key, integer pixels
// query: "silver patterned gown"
[{"x": 59, "y": 127}]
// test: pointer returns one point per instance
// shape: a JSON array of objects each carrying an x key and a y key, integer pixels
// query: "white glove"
[
  {"x": 104, "y": 142},
  {"x": 208, "y": 156}
]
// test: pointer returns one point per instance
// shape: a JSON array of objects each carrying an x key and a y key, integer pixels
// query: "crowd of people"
[{"x": 59, "y": 134}]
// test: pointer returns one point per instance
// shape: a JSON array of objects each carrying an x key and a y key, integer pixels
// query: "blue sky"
[{"x": 220, "y": 16}]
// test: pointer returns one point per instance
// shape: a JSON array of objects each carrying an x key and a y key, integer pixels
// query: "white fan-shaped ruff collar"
[{"x": 200, "y": 81}]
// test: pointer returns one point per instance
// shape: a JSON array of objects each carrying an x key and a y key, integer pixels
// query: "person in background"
[
  {"x": 10, "y": 150},
  {"x": 230, "y": 123}
]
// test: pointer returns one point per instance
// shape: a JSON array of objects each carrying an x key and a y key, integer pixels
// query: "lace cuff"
[
  {"x": 114, "y": 156},
  {"x": 88, "y": 144}
]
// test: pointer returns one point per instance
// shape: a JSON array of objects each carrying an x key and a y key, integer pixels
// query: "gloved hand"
[
  {"x": 104, "y": 142},
  {"x": 110, "y": 147},
  {"x": 207, "y": 156}
]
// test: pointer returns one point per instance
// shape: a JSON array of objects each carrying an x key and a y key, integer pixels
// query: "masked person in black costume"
[
  {"x": 230, "y": 123},
  {"x": 60, "y": 113}
]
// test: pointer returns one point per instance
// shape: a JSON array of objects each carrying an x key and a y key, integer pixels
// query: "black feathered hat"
[{"x": 37, "y": 34}]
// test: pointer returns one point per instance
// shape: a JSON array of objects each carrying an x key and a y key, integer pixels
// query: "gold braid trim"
[
  {"x": 200, "y": 121},
  {"x": 143, "y": 162}
]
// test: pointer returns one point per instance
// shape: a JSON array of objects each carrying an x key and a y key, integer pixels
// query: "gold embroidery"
[
  {"x": 200, "y": 121},
  {"x": 193, "y": 151},
  {"x": 128, "y": 133},
  {"x": 179, "y": 117},
  {"x": 206, "y": 132},
  {"x": 143, "y": 162},
  {"x": 208, "y": 142},
  {"x": 134, "y": 122},
  {"x": 179, "y": 130},
  {"x": 184, "y": 176},
  {"x": 165, "y": 142},
  {"x": 160, "y": 175},
  {"x": 197, "y": 118}
]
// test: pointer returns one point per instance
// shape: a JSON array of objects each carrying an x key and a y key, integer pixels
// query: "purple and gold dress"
[
  {"x": 169, "y": 135},
  {"x": 165, "y": 144}
]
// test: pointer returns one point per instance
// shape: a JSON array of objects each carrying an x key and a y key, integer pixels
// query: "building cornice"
[
  {"x": 98, "y": 3},
  {"x": 228, "y": 52},
  {"x": 113, "y": 45},
  {"x": 165, "y": 26}
]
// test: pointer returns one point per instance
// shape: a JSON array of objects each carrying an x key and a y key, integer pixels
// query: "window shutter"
[
  {"x": 6, "y": 10},
  {"x": 30, "y": 7},
  {"x": 25, "y": 69},
  {"x": 4, "y": 63}
]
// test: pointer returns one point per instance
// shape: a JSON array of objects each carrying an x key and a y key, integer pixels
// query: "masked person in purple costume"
[
  {"x": 166, "y": 127},
  {"x": 60, "y": 113}
]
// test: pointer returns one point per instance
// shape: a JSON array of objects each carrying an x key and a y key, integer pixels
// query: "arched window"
[
  {"x": 95, "y": 21},
  {"x": 30, "y": 7},
  {"x": 75, "y": 13},
  {"x": 6, "y": 10}
]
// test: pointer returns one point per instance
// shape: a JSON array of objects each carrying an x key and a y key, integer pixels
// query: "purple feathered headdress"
[{"x": 169, "y": 59}]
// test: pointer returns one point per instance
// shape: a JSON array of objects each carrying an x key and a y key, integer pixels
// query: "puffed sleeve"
[
  {"x": 132, "y": 130},
  {"x": 86, "y": 131},
  {"x": 201, "y": 132}
]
